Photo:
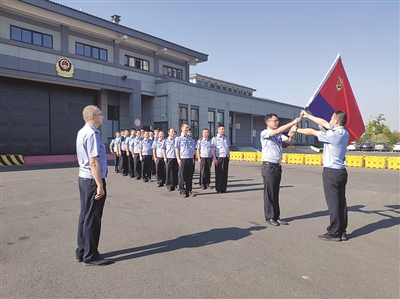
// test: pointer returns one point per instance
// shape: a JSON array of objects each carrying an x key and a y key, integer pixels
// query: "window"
[
  {"x": 137, "y": 63},
  {"x": 199, "y": 82},
  {"x": 182, "y": 115},
  {"x": 194, "y": 123},
  {"x": 31, "y": 37},
  {"x": 206, "y": 84},
  {"x": 220, "y": 118},
  {"x": 211, "y": 122},
  {"x": 113, "y": 121},
  {"x": 89, "y": 51},
  {"x": 223, "y": 88},
  {"x": 172, "y": 72},
  {"x": 212, "y": 85}
]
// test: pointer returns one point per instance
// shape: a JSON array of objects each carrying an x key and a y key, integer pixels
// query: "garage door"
[{"x": 40, "y": 119}]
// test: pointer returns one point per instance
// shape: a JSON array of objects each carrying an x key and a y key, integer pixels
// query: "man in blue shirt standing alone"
[{"x": 92, "y": 159}]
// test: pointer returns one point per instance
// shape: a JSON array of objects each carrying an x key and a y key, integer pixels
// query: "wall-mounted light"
[
  {"x": 124, "y": 77},
  {"x": 121, "y": 38},
  {"x": 161, "y": 51}
]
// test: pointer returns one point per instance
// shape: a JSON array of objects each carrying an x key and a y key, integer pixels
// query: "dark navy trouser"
[
  {"x": 221, "y": 174},
  {"x": 89, "y": 224},
  {"x": 334, "y": 182},
  {"x": 272, "y": 175}
]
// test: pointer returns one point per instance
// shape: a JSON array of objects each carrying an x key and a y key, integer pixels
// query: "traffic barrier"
[
  {"x": 354, "y": 161},
  {"x": 313, "y": 160},
  {"x": 295, "y": 158},
  {"x": 375, "y": 162},
  {"x": 259, "y": 156},
  {"x": 393, "y": 163},
  {"x": 284, "y": 158},
  {"x": 236, "y": 156},
  {"x": 10, "y": 160},
  {"x": 249, "y": 157}
]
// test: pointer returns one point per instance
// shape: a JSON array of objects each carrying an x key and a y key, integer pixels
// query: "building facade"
[{"x": 54, "y": 60}]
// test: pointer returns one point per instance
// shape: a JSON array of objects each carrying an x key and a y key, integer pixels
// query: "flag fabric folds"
[{"x": 335, "y": 93}]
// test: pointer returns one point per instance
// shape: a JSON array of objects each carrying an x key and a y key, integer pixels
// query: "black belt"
[{"x": 270, "y": 163}]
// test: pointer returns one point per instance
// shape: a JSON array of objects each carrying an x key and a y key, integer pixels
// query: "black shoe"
[
  {"x": 272, "y": 222},
  {"x": 282, "y": 222},
  {"x": 145, "y": 180},
  {"x": 203, "y": 187},
  {"x": 100, "y": 262},
  {"x": 209, "y": 187},
  {"x": 117, "y": 171},
  {"x": 191, "y": 194},
  {"x": 124, "y": 174},
  {"x": 138, "y": 178},
  {"x": 343, "y": 237},
  {"x": 160, "y": 185},
  {"x": 328, "y": 237},
  {"x": 183, "y": 195}
]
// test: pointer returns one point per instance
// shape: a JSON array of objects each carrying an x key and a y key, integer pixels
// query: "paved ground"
[{"x": 210, "y": 246}]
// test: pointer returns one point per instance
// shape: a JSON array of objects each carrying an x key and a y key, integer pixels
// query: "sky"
[{"x": 283, "y": 49}]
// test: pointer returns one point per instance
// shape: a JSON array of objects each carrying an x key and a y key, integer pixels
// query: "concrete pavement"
[{"x": 209, "y": 246}]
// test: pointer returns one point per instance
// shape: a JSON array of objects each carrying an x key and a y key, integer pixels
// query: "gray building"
[{"x": 54, "y": 60}]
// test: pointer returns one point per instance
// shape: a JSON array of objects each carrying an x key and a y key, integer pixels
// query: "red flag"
[{"x": 335, "y": 93}]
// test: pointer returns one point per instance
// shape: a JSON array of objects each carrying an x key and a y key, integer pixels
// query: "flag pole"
[{"x": 323, "y": 81}]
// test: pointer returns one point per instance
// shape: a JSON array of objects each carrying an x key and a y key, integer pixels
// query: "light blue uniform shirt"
[
  {"x": 146, "y": 146},
  {"x": 204, "y": 146},
  {"x": 271, "y": 146},
  {"x": 123, "y": 143},
  {"x": 169, "y": 146},
  {"x": 222, "y": 145},
  {"x": 114, "y": 145},
  {"x": 158, "y": 145},
  {"x": 136, "y": 144},
  {"x": 90, "y": 145},
  {"x": 184, "y": 144},
  {"x": 335, "y": 146}
]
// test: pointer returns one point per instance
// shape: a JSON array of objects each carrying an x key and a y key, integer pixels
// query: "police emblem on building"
[{"x": 64, "y": 68}]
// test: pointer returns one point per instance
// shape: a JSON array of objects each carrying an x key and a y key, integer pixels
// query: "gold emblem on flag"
[
  {"x": 339, "y": 83},
  {"x": 64, "y": 68}
]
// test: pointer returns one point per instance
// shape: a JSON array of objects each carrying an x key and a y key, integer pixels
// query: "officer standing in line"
[
  {"x": 92, "y": 160},
  {"x": 158, "y": 157},
  {"x": 221, "y": 159},
  {"x": 137, "y": 164},
  {"x": 123, "y": 161},
  {"x": 129, "y": 153},
  {"x": 171, "y": 167},
  {"x": 184, "y": 155},
  {"x": 194, "y": 146},
  {"x": 271, "y": 141},
  {"x": 113, "y": 150},
  {"x": 205, "y": 150},
  {"x": 334, "y": 174},
  {"x": 146, "y": 154}
]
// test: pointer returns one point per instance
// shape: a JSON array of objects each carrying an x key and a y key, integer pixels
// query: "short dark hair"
[
  {"x": 220, "y": 125},
  {"x": 205, "y": 129},
  {"x": 341, "y": 116},
  {"x": 270, "y": 115},
  {"x": 184, "y": 123}
]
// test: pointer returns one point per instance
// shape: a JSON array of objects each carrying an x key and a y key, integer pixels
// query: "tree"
[{"x": 377, "y": 131}]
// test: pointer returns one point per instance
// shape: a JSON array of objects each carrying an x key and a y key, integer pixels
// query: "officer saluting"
[{"x": 221, "y": 159}]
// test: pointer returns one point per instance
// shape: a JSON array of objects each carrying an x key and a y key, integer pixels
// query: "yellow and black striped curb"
[{"x": 9, "y": 160}]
